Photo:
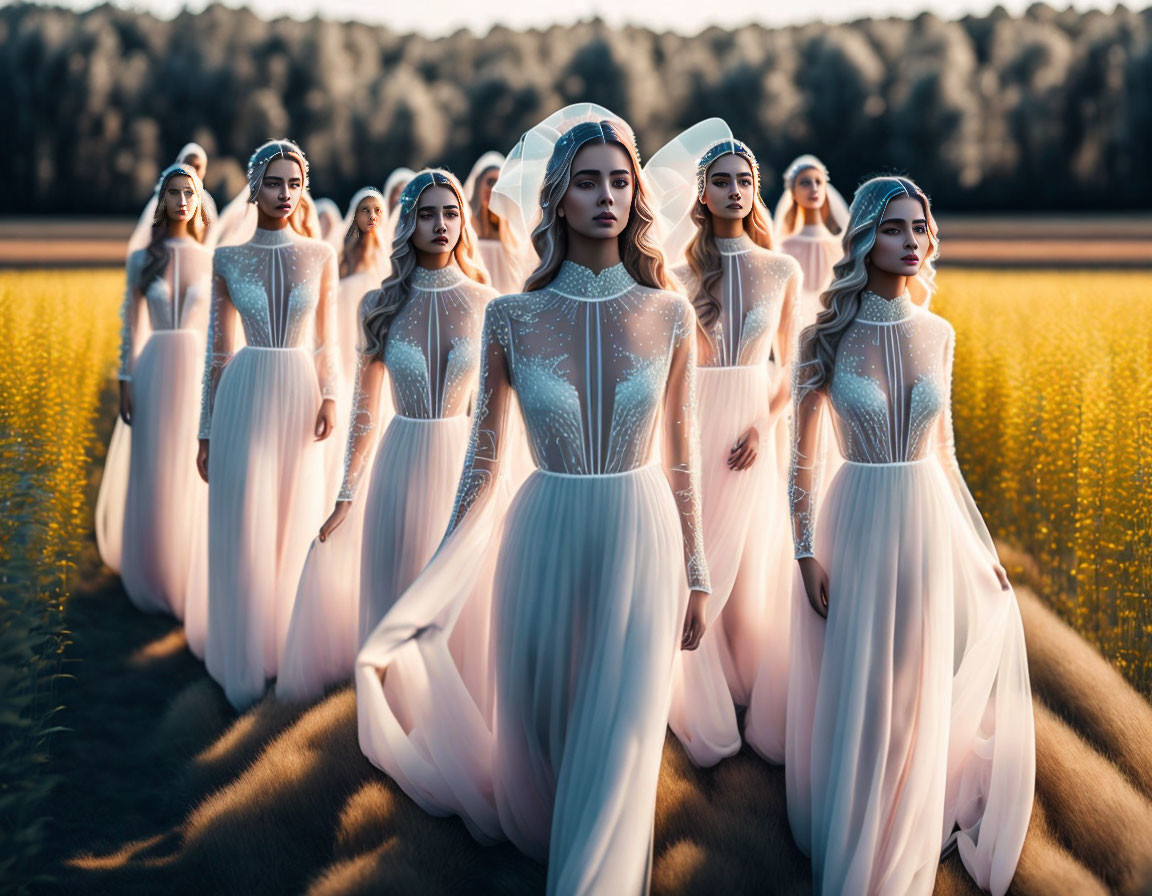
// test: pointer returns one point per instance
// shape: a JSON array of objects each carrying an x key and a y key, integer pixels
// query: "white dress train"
[
  {"x": 166, "y": 501},
  {"x": 746, "y": 535},
  {"x": 265, "y": 471},
  {"x": 395, "y": 523},
  {"x": 909, "y": 711},
  {"x": 553, "y": 738}
]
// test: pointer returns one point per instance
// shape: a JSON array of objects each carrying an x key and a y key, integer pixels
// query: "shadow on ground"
[{"x": 168, "y": 791}]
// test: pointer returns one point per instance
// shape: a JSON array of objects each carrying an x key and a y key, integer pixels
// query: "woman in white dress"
[
  {"x": 422, "y": 329},
  {"x": 502, "y": 251},
  {"x": 264, "y": 412},
  {"x": 169, "y": 281},
  {"x": 909, "y": 709},
  {"x": 195, "y": 157},
  {"x": 600, "y": 576},
  {"x": 745, "y": 297}
]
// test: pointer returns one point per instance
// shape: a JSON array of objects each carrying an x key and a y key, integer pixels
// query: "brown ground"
[
  {"x": 168, "y": 791},
  {"x": 970, "y": 241}
]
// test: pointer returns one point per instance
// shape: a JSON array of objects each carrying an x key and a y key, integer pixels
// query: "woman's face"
[
  {"x": 439, "y": 220},
  {"x": 902, "y": 242},
  {"x": 599, "y": 196},
  {"x": 281, "y": 188},
  {"x": 484, "y": 184},
  {"x": 810, "y": 188},
  {"x": 197, "y": 163},
  {"x": 369, "y": 214},
  {"x": 179, "y": 198},
  {"x": 729, "y": 187}
]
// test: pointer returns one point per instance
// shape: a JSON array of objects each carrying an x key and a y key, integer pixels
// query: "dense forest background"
[{"x": 1049, "y": 110}]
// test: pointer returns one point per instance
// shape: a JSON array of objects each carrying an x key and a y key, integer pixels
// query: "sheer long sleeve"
[
  {"x": 489, "y": 418},
  {"x": 682, "y": 451},
  {"x": 129, "y": 312},
  {"x": 327, "y": 330},
  {"x": 804, "y": 471},
  {"x": 787, "y": 340},
  {"x": 362, "y": 422},
  {"x": 221, "y": 324},
  {"x": 946, "y": 451}
]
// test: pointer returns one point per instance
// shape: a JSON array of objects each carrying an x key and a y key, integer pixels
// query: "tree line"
[{"x": 1047, "y": 110}]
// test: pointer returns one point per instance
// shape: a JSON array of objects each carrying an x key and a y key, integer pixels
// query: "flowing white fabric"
[
  {"x": 746, "y": 534},
  {"x": 395, "y": 524},
  {"x": 507, "y": 261},
  {"x": 109, "y": 514},
  {"x": 554, "y": 738},
  {"x": 166, "y": 499},
  {"x": 331, "y": 223},
  {"x": 909, "y": 710},
  {"x": 265, "y": 472},
  {"x": 817, "y": 250}
]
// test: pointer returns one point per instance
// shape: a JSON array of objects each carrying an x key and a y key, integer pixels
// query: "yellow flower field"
[{"x": 1053, "y": 410}]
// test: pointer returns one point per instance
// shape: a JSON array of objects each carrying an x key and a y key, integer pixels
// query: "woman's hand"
[
  {"x": 815, "y": 584},
  {"x": 743, "y": 453},
  {"x": 694, "y": 623},
  {"x": 202, "y": 460},
  {"x": 325, "y": 419},
  {"x": 1001, "y": 576},
  {"x": 126, "y": 402},
  {"x": 338, "y": 513}
]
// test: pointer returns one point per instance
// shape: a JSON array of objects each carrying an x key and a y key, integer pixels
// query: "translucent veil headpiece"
[
  {"x": 267, "y": 153},
  {"x": 676, "y": 174},
  {"x": 192, "y": 149},
  {"x": 784, "y": 221},
  {"x": 399, "y": 176},
  {"x": 490, "y": 159},
  {"x": 516, "y": 196}
]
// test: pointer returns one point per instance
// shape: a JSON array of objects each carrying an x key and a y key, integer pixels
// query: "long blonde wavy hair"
[
  {"x": 382, "y": 306},
  {"x": 704, "y": 258},
  {"x": 362, "y": 251},
  {"x": 156, "y": 255},
  {"x": 639, "y": 249},
  {"x": 820, "y": 341}
]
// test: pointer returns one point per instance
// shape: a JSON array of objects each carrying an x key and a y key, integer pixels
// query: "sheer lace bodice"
[
  {"x": 593, "y": 359},
  {"x": 757, "y": 292},
  {"x": 432, "y": 355},
  {"x": 176, "y": 301},
  {"x": 890, "y": 396},
  {"x": 283, "y": 288}
]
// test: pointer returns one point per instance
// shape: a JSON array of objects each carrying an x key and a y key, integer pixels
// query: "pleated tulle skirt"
[
  {"x": 265, "y": 503},
  {"x": 113, "y": 493},
  {"x": 166, "y": 498},
  {"x": 748, "y": 545},
  {"x": 909, "y": 709},
  {"x": 588, "y": 598},
  {"x": 350, "y": 581}
]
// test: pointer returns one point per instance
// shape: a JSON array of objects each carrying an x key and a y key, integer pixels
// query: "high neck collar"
[
  {"x": 578, "y": 282},
  {"x": 735, "y": 245},
  {"x": 440, "y": 278},
  {"x": 878, "y": 310},
  {"x": 814, "y": 231},
  {"x": 271, "y": 239}
]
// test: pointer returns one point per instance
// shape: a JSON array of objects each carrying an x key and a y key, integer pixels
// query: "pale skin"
[
  {"x": 596, "y": 207},
  {"x": 902, "y": 245},
  {"x": 180, "y": 205},
  {"x": 279, "y": 195},
  {"x": 729, "y": 194},
  {"x": 369, "y": 216},
  {"x": 439, "y": 223},
  {"x": 484, "y": 185},
  {"x": 810, "y": 192}
]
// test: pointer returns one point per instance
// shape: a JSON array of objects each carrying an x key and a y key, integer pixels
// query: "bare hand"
[
  {"x": 743, "y": 453},
  {"x": 694, "y": 624},
  {"x": 1001, "y": 576},
  {"x": 815, "y": 584},
  {"x": 338, "y": 513},
  {"x": 126, "y": 402},
  {"x": 325, "y": 419},
  {"x": 202, "y": 460}
]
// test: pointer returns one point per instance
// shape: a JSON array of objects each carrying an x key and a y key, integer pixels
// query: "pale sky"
[{"x": 445, "y": 16}]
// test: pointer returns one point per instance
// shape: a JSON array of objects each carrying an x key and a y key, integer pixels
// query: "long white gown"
[
  {"x": 909, "y": 710},
  {"x": 395, "y": 523},
  {"x": 554, "y": 739},
  {"x": 265, "y": 470},
  {"x": 166, "y": 500},
  {"x": 746, "y": 535}
]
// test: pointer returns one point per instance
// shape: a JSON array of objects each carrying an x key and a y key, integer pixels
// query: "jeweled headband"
[
  {"x": 570, "y": 142},
  {"x": 265, "y": 155},
  {"x": 723, "y": 148},
  {"x": 425, "y": 179},
  {"x": 803, "y": 163},
  {"x": 172, "y": 171}
]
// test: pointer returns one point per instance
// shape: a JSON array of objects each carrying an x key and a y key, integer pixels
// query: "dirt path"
[{"x": 168, "y": 791}]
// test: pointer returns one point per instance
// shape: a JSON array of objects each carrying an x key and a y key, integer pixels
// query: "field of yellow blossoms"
[{"x": 1053, "y": 413}]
